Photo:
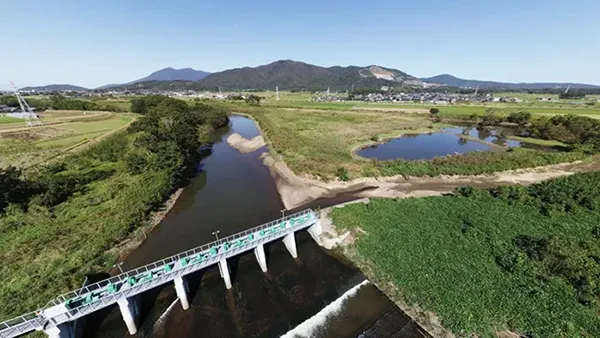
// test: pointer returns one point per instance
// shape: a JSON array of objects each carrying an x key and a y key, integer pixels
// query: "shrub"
[
  {"x": 520, "y": 118},
  {"x": 434, "y": 111},
  {"x": 342, "y": 174},
  {"x": 374, "y": 138}
]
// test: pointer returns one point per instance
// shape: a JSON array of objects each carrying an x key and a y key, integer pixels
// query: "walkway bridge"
[{"x": 56, "y": 319}]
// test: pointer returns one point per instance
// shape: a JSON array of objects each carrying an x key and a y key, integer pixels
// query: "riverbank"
[
  {"x": 484, "y": 262},
  {"x": 77, "y": 216},
  {"x": 342, "y": 240},
  {"x": 127, "y": 246},
  {"x": 296, "y": 190},
  {"x": 244, "y": 145}
]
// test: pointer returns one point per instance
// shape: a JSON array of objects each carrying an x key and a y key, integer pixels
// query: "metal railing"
[{"x": 37, "y": 320}]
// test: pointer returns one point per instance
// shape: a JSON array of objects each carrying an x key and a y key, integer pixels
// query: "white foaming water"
[
  {"x": 162, "y": 317},
  {"x": 307, "y": 328}
]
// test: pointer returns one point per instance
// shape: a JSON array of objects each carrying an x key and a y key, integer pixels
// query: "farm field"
[
  {"x": 8, "y": 119},
  {"x": 321, "y": 143},
  {"x": 62, "y": 132},
  {"x": 511, "y": 259},
  {"x": 530, "y": 104}
]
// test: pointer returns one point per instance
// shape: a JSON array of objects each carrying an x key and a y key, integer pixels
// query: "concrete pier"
[
  {"x": 259, "y": 252},
  {"x": 290, "y": 243},
  {"x": 315, "y": 232},
  {"x": 225, "y": 273},
  {"x": 182, "y": 290},
  {"x": 129, "y": 312}
]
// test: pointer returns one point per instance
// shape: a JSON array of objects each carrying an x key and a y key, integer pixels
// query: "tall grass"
[
  {"x": 320, "y": 142},
  {"x": 514, "y": 258}
]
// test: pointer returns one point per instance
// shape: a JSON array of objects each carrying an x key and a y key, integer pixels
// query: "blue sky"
[{"x": 94, "y": 43}]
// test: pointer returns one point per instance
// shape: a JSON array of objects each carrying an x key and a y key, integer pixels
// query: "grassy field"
[
  {"x": 320, "y": 142},
  {"x": 61, "y": 132},
  {"x": 518, "y": 259},
  {"x": 66, "y": 219},
  {"x": 8, "y": 119},
  {"x": 530, "y": 104}
]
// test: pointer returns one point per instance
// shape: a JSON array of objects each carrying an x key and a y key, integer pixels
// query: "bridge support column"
[
  {"x": 259, "y": 252},
  {"x": 181, "y": 288},
  {"x": 225, "y": 272},
  {"x": 129, "y": 311},
  {"x": 315, "y": 232},
  {"x": 290, "y": 243},
  {"x": 64, "y": 330}
]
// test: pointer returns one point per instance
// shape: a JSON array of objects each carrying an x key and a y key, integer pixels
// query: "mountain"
[
  {"x": 167, "y": 74},
  {"x": 453, "y": 81},
  {"x": 55, "y": 88},
  {"x": 170, "y": 74},
  {"x": 288, "y": 74}
]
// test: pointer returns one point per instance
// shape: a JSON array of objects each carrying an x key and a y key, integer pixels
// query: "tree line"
[
  {"x": 60, "y": 102},
  {"x": 166, "y": 138}
]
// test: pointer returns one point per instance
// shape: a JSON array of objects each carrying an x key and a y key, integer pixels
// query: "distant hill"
[
  {"x": 55, "y": 88},
  {"x": 170, "y": 74},
  {"x": 167, "y": 74},
  {"x": 288, "y": 74},
  {"x": 453, "y": 81},
  {"x": 157, "y": 85}
]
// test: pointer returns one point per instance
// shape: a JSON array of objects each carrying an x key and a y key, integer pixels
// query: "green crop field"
[
  {"x": 516, "y": 258},
  {"x": 8, "y": 119},
  {"x": 27, "y": 146}
]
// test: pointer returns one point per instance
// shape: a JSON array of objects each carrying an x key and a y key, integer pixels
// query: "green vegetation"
[
  {"x": 548, "y": 143},
  {"x": 59, "y": 102},
  {"x": 320, "y": 142},
  {"x": 59, "y": 222},
  {"x": 8, "y": 119},
  {"x": 475, "y": 163},
  {"x": 30, "y": 146},
  {"x": 524, "y": 259}
]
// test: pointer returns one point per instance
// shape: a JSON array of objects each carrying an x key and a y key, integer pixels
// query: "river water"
[{"x": 315, "y": 295}]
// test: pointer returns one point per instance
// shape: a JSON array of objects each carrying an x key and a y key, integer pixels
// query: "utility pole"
[{"x": 30, "y": 116}]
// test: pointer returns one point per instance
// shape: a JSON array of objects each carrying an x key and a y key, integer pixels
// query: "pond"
[
  {"x": 422, "y": 147},
  {"x": 495, "y": 136}
]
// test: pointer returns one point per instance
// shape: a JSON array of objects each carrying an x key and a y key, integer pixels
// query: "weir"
[{"x": 56, "y": 319}]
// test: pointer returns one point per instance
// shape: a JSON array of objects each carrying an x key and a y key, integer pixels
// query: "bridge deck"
[{"x": 93, "y": 297}]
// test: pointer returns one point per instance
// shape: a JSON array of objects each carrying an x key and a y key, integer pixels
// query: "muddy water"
[{"x": 235, "y": 192}]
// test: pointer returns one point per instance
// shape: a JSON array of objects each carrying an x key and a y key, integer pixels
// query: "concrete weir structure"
[{"x": 58, "y": 317}]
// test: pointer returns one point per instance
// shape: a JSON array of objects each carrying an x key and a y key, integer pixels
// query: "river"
[{"x": 315, "y": 295}]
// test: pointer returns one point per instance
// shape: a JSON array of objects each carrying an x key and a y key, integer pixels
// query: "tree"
[
  {"x": 14, "y": 189},
  {"x": 253, "y": 100},
  {"x": 520, "y": 118},
  {"x": 434, "y": 111}
]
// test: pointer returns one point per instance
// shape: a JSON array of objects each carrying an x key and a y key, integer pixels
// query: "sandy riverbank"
[
  {"x": 244, "y": 145},
  {"x": 296, "y": 190}
]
